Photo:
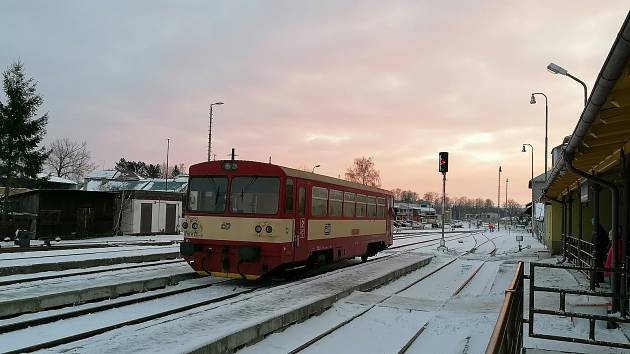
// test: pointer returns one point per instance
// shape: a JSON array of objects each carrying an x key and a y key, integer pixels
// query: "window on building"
[
  {"x": 380, "y": 207},
  {"x": 348, "y": 204},
  {"x": 254, "y": 195},
  {"x": 288, "y": 198},
  {"x": 207, "y": 194},
  {"x": 361, "y": 208},
  {"x": 371, "y": 206},
  {"x": 319, "y": 202},
  {"x": 335, "y": 203}
]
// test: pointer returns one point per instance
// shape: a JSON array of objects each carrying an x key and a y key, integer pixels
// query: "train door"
[{"x": 300, "y": 248}]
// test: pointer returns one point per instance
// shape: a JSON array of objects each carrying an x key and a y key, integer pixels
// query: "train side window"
[
  {"x": 335, "y": 203},
  {"x": 319, "y": 202},
  {"x": 380, "y": 207},
  {"x": 302, "y": 201},
  {"x": 361, "y": 208},
  {"x": 288, "y": 197},
  {"x": 371, "y": 206},
  {"x": 348, "y": 204}
]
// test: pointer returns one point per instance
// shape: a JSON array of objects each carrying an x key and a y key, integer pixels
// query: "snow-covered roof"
[
  {"x": 102, "y": 174},
  {"x": 55, "y": 179},
  {"x": 157, "y": 184}
]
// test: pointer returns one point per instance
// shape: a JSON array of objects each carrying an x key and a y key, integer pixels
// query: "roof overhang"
[{"x": 603, "y": 129}]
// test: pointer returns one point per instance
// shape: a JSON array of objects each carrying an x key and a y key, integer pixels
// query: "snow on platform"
[
  {"x": 38, "y": 295},
  {"x": 248, "y": 317}
]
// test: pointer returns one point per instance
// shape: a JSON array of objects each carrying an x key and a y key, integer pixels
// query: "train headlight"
[
  {"x": 268, "y": 229},
  {"x": 258, "y": 229},
  {"x": 184, "y": 225},
  {"x": 194, "y": 226}
]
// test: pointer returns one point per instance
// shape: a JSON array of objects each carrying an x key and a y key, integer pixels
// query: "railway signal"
[
  {"x": 443, "y": 168},
  {"x": 443, "y": 158}
]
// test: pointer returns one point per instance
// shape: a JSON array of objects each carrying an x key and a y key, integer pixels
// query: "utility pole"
[
  {"x": 507, "y": 207},
  {"x": 499, "y": 203},
  {"x": 210, "y": 130}
]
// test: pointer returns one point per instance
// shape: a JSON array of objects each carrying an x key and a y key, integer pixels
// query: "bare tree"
[
  {"x": 364, "y": 172},
  {"x": 431, "y": 197},
  {"x": 397, "y": 193},
  {"x": 69, "y": 159}
]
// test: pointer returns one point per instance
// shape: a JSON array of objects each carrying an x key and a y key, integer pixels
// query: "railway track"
[
  {"x": 36, "y": 323},
  {"x": 87, "y": 272},
  {"x": 408, "y": 343},
  {"x": 87, "y": 245},
  {"x": 88, "y": 253},
  {"x": 238, "y": 290}
]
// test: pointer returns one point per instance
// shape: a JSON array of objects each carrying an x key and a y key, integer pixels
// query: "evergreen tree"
[
  {"x": 176, "y": 171},
  {"x": 152, "y": 171},
  {"x": 21, "y": 131}
]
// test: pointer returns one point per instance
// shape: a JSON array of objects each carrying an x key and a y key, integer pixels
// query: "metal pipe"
[
  {"x": 568, "y": 161},
  {"x": 563, "y": 227},
  {"x": 595, "y": 234}
]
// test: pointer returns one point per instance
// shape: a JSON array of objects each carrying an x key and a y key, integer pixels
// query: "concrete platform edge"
[
  {"x": 88, "y": 263},
  {"x": 257, "y": 332},
  {"x": 77, "y": 297}
]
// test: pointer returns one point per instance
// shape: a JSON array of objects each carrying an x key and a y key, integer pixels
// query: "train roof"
[{"x": 292, "y": 172}]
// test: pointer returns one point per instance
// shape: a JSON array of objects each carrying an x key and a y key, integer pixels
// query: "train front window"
[
  {"x": 254, "y": 195},
  {"x": 207, "y": 194}
]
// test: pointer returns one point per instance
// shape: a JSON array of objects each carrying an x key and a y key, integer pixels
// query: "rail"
[{"x": 507, "y": 336}]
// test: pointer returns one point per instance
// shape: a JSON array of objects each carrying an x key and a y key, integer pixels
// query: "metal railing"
[
  {"x": 580, "y": 253},
  {"x": 562, "y": 312},
  {"x": 507, "y": 336}
]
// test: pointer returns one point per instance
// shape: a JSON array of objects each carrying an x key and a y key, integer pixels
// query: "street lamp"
[
  {"x": 210, "y": 130},
  {"x": 499, "y": 202},
  {"x": 533, "y": 101},
  {"x": 557, "y": 69},
  {"x": 314, "y": 167},
  {"x": 532, "y": 181},
  {"x": 506, "y": 202}
]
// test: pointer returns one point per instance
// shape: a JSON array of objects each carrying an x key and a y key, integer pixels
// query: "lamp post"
[
  {"x": 314, "y": 167},
  {"x": 533, "y": 101},
  {"x": 557, "y": 69},
  {"x": 210, "y": 130},
  {"x": 499, "y": 203},
  {"x": 168, "y": 146},
  {"x": 506, "y": 202},
  {"x": 532, "y": 181}
]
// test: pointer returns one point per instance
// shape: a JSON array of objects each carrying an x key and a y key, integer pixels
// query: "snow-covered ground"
[
  {"x": 39, "y": 288},
  {"x": 388, "y": 318},
  {"x": 80, "y": 254},
  {"x": 104, "y": 240},
  {"x": 453, "y": 310}
]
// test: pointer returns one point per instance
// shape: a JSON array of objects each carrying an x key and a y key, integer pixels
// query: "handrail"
[{"x": 507, "y": 336}]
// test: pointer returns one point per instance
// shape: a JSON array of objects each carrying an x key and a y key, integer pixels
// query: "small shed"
[
  {"x": 66, "y": 213},
  {"x": 146, "y": 212}
]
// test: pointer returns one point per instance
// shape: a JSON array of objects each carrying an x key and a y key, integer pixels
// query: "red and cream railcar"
[{"x": 245, "y": 219}]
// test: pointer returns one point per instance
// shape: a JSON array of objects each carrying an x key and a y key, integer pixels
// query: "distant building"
[
  {"x": 417, "y": 212},
  {"x": 50, "y": 213},
  {"x": 143, "y": 205}
]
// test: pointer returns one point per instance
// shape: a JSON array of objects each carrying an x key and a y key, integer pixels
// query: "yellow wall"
[{"x": 553, "y": 220}]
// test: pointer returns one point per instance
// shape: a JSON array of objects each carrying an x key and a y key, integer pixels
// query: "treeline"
[
  {"x": 149, "y": 170},
  {"x": 460, "y": 206}
]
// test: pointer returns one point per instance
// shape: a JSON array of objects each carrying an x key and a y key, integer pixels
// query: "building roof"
[
  {"x": 55, "y": 179},
  {"x": 99, "y": 182},
  {"x": 604, "y": 125}
]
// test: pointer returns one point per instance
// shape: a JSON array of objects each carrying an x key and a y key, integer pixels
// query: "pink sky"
[{"x": 317, "y": 82}]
